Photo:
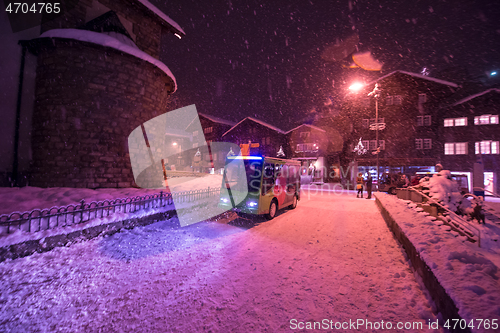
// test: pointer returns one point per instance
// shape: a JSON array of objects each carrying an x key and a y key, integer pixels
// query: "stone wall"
[
  {"x": 146, "y": 27},
  {"x": 89, "y": 98}
]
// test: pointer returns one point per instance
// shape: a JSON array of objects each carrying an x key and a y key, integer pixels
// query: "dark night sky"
[{"x": 263, "y": 58}]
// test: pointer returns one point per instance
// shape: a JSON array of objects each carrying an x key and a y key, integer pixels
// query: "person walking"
[
  {"x": 369, "y": 183},
  {"x": 359, "y": 185}
]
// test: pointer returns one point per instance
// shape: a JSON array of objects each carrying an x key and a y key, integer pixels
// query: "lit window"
[
  {"x": 365, "y": 123},
  {"x": 268, "y": 140},
  {"x": 461, "y": 148},
  {"x": 461, "y": 121},
  {"x": 427, "y": 120},
  {"x": 195, "y": 133},
  {"x": 208, "y": 130},
  {"x": 418, "y": 144},
  {"x": 486, "y": 119},
  {"x": 366, "y": 144},
  {"x": 381, "y": 144},
  {"x": 427, "y": 143},
  {"x": 487, "y": 147},
  {"x": 455, "y": 148},
  {"x": 389, "y": 100},
  {"x": 449, "y": 148},
  {"x": 397, "y": 100},
  {"x": 373, "y": 145},
  {"x": 422, "y": 98}
]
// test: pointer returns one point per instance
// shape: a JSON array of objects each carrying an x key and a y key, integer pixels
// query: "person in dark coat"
[
  {"x": 369, "y": 183},
  {"x": 359, "y": 185}
]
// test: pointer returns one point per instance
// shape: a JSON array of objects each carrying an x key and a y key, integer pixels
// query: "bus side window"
[{"x": 268, "y": 178}]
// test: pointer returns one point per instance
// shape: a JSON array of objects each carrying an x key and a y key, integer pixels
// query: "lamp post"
[{"x": 376, "y": 93}]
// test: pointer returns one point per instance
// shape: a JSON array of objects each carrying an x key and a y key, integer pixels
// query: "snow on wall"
[
  {"x": 469, "y": 274},
  {"x": 162, "y": 15},
  {"x": 107, "y": 41}
]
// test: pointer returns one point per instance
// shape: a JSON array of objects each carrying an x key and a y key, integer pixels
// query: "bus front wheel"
[
  {"x": 273, "y": 208},
  {"x": 294, "y": 202}
]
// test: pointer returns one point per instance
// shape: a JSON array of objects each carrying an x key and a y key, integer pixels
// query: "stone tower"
[{"x": 98, "y": 77}]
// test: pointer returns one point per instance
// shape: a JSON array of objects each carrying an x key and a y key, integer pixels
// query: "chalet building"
[
  {"x": 308, "y": 144},
  {"x": 266, "y": 139},
  {"x": 98, "y": 77},
  {"x": 213, "y": 128},
  {"x": 408, "y": 124},
  {"x": 470, "y": 133}
]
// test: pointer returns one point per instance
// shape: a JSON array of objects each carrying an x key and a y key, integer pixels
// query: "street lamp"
[
  {"x": 376, "y": 93},
  {"x": 356, "y": 86}
]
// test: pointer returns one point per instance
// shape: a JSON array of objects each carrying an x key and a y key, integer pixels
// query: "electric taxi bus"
[{"x": 260, "y": 185}]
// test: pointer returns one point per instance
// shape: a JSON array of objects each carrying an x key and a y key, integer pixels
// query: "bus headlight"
[
  {"x": 252, "y": 204},
  {"x": 224, "y": 200}
]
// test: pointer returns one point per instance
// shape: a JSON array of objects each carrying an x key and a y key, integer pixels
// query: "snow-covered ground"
[
  {"x": 468, "y": 273},
  {"x": 332, "y": 258}
]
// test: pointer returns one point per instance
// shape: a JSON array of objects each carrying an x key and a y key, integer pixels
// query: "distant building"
[
  {"x": 408, "y": 123},
  {"x": 469, "y": 131},
  {"x": 309, "y": 144},
  {"x": 250, "y": 130},
  {"x": 213, "y": 129}
]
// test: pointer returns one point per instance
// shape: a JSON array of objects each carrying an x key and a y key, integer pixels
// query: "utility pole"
[{"x": 376, "y": 93}]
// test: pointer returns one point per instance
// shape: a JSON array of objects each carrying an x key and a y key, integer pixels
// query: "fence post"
[
  {"x": 82, "y": 206},
  {"x": 161, "y": 198}
]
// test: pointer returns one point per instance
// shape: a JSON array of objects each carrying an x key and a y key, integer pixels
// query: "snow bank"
[
  {"x": 22, "y": 199},
  {"x": 469, "y": 274},
  {"x": 108, "y": 41}
]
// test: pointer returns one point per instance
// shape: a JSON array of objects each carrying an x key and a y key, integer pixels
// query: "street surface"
[{"x": 331, "y": 258}]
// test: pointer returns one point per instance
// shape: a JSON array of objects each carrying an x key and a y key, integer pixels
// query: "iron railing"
[
  {"x": 54, "y": 217},
  {"x": 465, "y": 226}
]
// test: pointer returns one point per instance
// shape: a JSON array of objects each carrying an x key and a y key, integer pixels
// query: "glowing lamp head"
[
  {"x": 356, "y": 86},
  {"x": 174, "y": 144}
]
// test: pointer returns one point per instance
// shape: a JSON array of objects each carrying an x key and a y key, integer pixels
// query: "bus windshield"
[{"x": 234, "y": 173}]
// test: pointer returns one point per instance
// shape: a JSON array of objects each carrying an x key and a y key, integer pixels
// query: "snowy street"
[{"x": 332, "y": 258}]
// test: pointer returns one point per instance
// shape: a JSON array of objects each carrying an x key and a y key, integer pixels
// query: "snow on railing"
[
  {"x": 457, "y": 218},
  {"x": 485, "y": 190},
  {"x": 50, "y": 218}
]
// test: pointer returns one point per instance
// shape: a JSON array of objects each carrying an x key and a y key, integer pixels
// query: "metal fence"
[{"x": 54, "y": 217}]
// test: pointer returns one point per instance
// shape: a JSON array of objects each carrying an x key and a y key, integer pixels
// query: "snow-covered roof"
[
  {"x": 218, "y": 120},
  {"x": 312, "y": 126},
  {"x": 162, "y": 15},
  {"x": 108, "y": 41},
  {"x": 419, "y": 76},
  {"x": 468, "y": 98},
  {"x": 259, "y": 122}
]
